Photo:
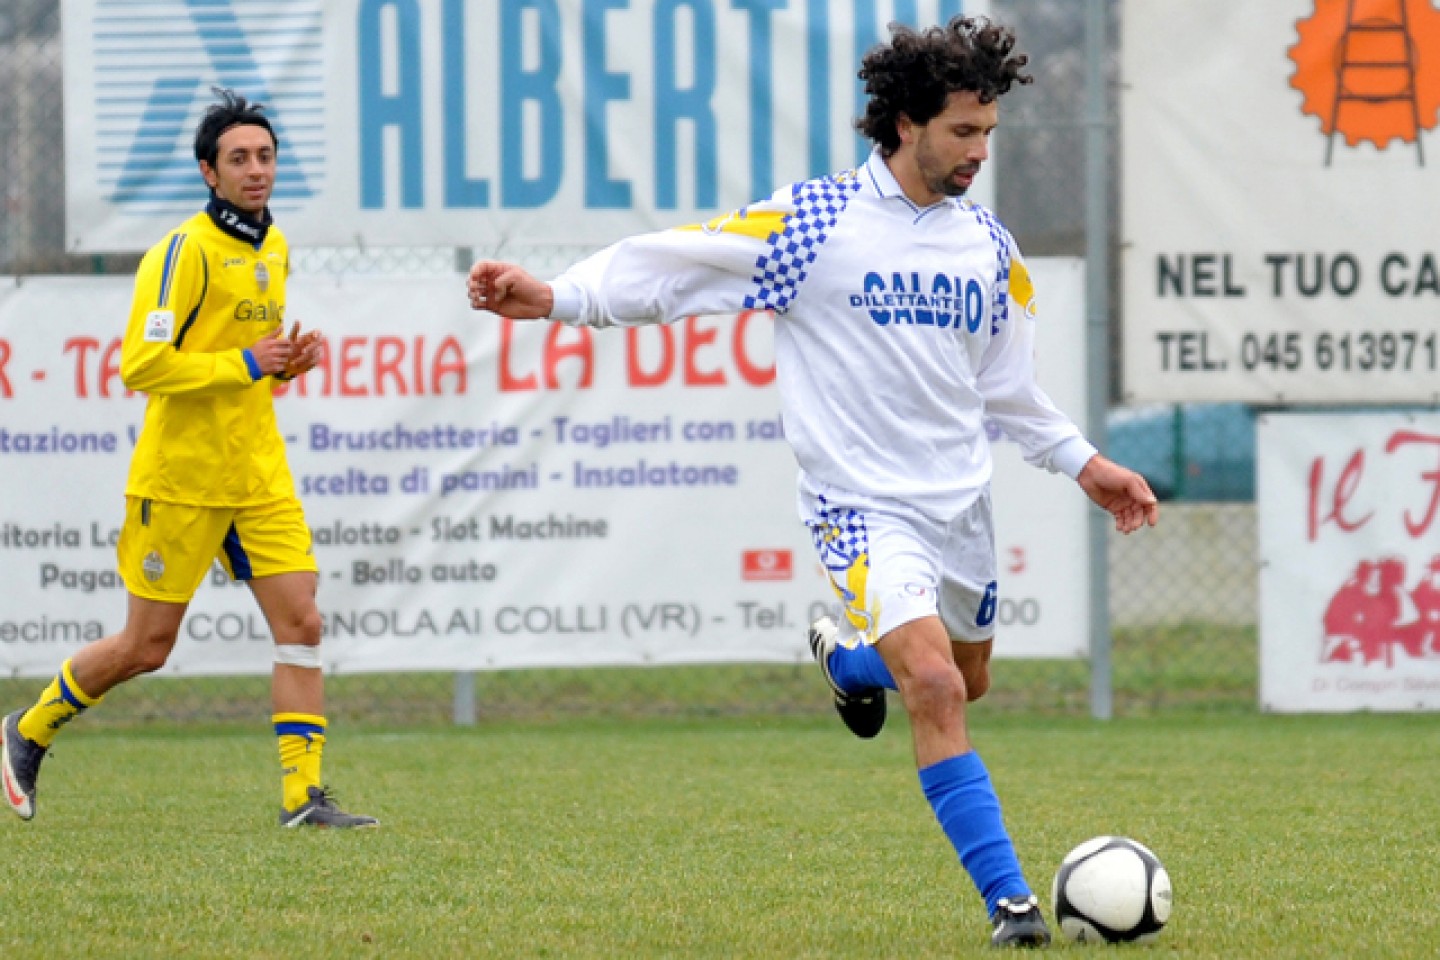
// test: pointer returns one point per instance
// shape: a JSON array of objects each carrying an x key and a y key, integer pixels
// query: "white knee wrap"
[{"x": 298, "y": 654}]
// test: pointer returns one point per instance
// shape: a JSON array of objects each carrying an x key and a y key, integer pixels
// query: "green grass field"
[
  {"x": 1183, "y": 666},
  {"x": 725, "y": 838}
]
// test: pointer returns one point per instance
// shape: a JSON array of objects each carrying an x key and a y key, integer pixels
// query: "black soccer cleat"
[
  {"x": 19, "y": 766},
  {"x": 863, "y": 713},
  {"x": 1019, "y": 923},
  {"x": 320, "y": 811}
]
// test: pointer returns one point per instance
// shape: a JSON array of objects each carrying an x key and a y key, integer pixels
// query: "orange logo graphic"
[{"x": 1370, "y": 70}]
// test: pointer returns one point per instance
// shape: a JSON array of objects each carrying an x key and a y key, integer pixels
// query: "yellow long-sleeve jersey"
[{"x": 202, "y": 299}]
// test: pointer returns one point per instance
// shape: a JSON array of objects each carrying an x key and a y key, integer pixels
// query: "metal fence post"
[
  {"x": 463, "y": 706},
  {"x": 1097, "y": 324}
]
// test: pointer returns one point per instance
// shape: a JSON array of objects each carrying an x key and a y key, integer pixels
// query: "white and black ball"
[{"x": 1111, "y": 890}]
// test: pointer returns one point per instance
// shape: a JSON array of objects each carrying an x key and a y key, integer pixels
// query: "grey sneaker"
[
  {"x": 19, "y": 766},
  {"x": 320, "y": 811},
  {"x": 1019, "y": 923},
  {"x": 863, "y": 713}
]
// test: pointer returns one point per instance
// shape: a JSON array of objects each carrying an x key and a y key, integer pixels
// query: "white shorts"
[{"x": 890, "y": 564}]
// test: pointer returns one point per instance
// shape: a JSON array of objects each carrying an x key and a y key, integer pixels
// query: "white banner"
[
  {"x": 486, "y": 494},
  {"x": 1350, "y": 562},
  {"x": 469, "y": 122},
  {"x": 1279, "y": 224}
]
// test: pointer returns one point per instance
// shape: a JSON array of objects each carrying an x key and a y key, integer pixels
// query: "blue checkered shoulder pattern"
[
  {"x": 1000, "y": 304},
  {"x": 783, "y": 267}
]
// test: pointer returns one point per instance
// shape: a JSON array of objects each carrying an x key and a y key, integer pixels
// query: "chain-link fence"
[{"x": 1183, "y": 596}]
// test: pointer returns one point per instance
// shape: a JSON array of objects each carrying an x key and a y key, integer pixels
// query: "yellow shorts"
[{"x": 166, "y": 548}]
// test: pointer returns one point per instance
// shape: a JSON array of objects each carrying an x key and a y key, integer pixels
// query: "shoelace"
[
  {"x": 1017, "y": 908},
  {"x": 323, "y": 797}
]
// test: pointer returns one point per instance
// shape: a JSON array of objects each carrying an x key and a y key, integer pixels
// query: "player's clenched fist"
[{"x": 509, "y": 290}]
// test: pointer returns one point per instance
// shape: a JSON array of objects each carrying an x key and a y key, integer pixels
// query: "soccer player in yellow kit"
[{"x": 209, "y": 476}]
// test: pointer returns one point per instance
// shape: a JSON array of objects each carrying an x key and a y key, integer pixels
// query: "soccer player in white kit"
[{"x": 904, "y": 315}]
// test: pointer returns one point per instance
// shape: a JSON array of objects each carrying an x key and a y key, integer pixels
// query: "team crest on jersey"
[
  {"x": 262, "y": 275},
  {"x": 153, "y": 566}
]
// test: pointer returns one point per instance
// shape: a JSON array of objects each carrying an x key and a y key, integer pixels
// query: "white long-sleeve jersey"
[{"x": 897, "y": 329}]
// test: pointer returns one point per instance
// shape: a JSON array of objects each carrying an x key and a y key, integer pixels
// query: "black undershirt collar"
[{"x": 236, "y": 222}]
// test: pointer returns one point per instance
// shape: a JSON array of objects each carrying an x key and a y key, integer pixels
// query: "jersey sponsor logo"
[
  {"x": 234, "y": 262},
  {"x": 159, "y": 326},
  {"x": 933, "y": 300},
  {"x": 260, "y": 311}
]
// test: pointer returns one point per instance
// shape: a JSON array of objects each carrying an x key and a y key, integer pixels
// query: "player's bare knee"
[
  {"x": 303, "y": 630},
  {"x": 311, "y": 628},
  {"x": 150, "y": 660},
  {"x": 933, "y": 691},
  {"x": 147, "y": 651}
]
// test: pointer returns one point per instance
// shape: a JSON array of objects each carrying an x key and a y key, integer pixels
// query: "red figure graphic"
[
  {"x": 1426, "y": 627},
  {"x": 1371, "y": 615}
]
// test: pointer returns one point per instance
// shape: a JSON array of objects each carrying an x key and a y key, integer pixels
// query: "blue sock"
[
  {"x": 964, "y": 801},
  {"x": 860, "y": 669}
]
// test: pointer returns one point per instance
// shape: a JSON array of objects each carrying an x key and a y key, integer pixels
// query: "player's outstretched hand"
[
  {"x": 508, "y": 290},
  {"x": 272, "y": 352},
  {"x": 1120, "y": 491},
  {"x": 308, "y": 351}
]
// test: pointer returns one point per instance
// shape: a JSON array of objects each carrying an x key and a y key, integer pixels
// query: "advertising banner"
[
  {"x": 1350, "y": 562},
  {"x": 487, "y": 494},
  {"x": 1279, "y": 203},
  {"x": 469, "y": 122}
]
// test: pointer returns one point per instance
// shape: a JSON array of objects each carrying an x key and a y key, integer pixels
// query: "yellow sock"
[
  {"x": 302, "y": 740},
  {"x": 62, "y": 701}
]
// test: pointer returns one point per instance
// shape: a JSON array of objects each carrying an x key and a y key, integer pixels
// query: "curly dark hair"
[
  {"x": 233, "y": 110},
  {"x": 917, "y": 70}
]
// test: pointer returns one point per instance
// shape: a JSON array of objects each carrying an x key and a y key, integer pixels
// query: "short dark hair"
[
  {"x": 917, "y": 71},
  {"x": 233, "y": 110}
]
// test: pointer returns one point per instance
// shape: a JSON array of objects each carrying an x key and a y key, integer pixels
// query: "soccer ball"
[{"x": 1111, "y": 890}]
